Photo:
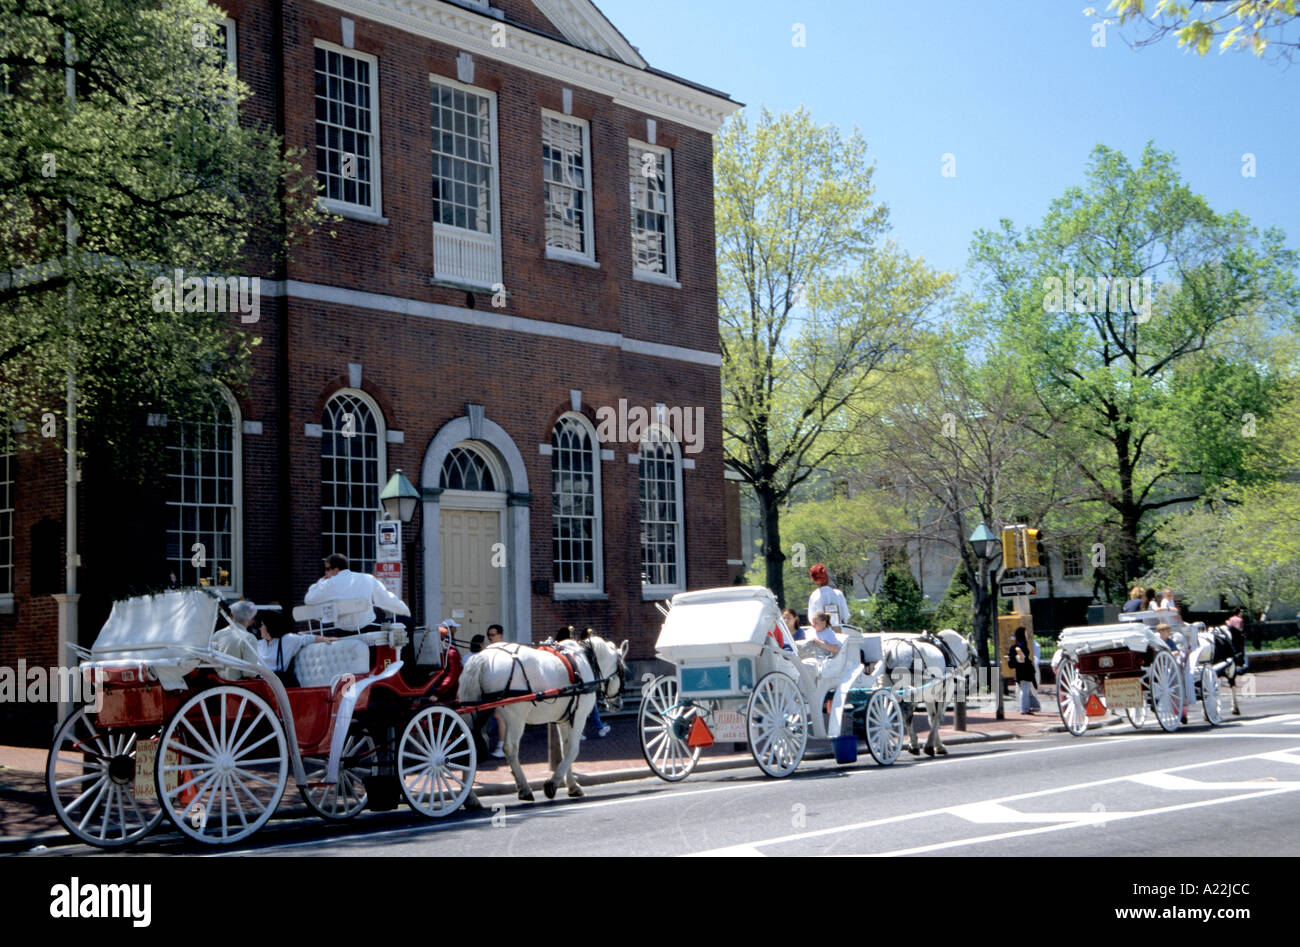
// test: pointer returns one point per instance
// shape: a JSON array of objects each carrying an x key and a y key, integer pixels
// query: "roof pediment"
[{"x": 583, "y": 25}]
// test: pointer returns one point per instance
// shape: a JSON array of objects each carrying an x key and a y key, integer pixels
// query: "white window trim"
[
  {"x": 598, "y": 525},
  {"x": 588, "y": 226},
  {"x": 374, "y": 211},
  {"x": 496, "y": 175},
  {"x": 381, "y": 436},
  {"x": 669, "y": 277},
  {"x": 232, "y": 44},
  {"x": 656, "y": 592},
  {"x": 7, "y": 440}
]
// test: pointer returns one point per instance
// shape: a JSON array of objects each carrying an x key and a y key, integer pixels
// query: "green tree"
[
  {"x": 955, "y": 608},
  {"x": 813, "y": 302},
  {"x": 1117, "y": 304},
  {"x": 898, "y": 607},
  {"x": 1257, "y": 25},
  {"x": 150, "y": 166}
]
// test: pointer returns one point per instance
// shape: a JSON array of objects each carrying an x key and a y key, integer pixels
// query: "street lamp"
[
  {"x": 399, "y": 497},
  {"x": 985, "y": 545}
]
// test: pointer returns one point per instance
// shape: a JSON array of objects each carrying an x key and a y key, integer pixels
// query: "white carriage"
[
  {"x": 734, "y": 682},
  {"x": 1128, "y": 665},
  {"x": 184, "y": 730}
]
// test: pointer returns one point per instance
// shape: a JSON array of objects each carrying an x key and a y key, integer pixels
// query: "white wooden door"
[{"x": 472, "y": 569}]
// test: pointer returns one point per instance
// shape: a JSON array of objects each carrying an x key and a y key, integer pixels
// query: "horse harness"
[{"x": 576, "y": 686}]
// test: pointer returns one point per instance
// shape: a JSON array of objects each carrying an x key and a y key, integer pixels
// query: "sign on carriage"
[
  {"x": 1123, "y": 691},
  {"x": 728, "y": 726}
]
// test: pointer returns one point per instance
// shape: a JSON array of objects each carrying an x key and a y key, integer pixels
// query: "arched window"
[
  {"x": 466, "y": 469},
  {"x": 662, "y": 551},
  {"x": 6, "y": 511},
  {"x": 575, "y": 506},
  {"x": 351, "y": 475},
  {"x": 203, "y": 494}
]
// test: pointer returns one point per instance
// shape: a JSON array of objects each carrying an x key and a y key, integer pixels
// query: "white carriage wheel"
[
  {"x": 1211, "y": 696},
  {"x": 1071, "y": 698},
  {"x": 90, "y": 775},
  {"x": 665, "y": 752},
  {"x": 884, "y": 726},
  {"x": 230, "y": 767},
  {"x": 1137, "y": 715},
  {"x": 346, "y": 798},
  {"x": 436, "y": 762},
  {"x": 1165, "y": 682},
  {"x": 777, "y": 724}
]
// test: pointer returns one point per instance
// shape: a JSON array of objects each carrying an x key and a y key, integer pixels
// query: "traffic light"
[
  {"x": 1034, "y": 552},
  {"x": 1010, "y": 548}
]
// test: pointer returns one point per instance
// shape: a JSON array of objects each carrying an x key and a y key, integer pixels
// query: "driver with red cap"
[{"x": 826, "y": 598}]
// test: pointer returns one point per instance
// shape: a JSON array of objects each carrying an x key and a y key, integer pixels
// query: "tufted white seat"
[{"x": 319, "y": 664}]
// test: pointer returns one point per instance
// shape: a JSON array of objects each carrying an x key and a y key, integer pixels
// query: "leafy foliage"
[{"x": 1255, "y": 25}]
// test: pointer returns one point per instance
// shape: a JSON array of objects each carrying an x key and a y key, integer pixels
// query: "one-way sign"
[{"x": 1018, "y": 588}]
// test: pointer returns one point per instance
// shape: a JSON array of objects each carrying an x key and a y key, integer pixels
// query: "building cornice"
[
  {"x": 582, "y": 24},
  {"x": 474, "y": 33}
]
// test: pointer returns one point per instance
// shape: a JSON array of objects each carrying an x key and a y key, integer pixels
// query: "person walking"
[{"x": 1022, "y": 662}]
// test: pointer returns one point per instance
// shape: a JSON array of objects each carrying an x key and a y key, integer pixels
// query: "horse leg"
[
  {"x": 1232, "y": 686},
  {"x": 571, "y": 755},
  {"x": 940, "y": 708},
  {"x": 510, "y": 743},
  {"x": 909, "y": 711}
]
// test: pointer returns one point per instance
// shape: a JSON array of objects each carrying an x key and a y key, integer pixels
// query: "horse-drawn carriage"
[
  {"x": 186, "y": 732},
  {"x": 734, "y": 681},
  {"x": 1130, "y": 665}
]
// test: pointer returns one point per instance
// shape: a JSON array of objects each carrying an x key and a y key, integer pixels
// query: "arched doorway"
[{"x": 475, "y": 529}]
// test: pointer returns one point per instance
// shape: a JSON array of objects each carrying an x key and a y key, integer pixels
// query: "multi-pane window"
[
  {"x": 347, "y": 127},
  {"x": 466, "y": 236},
  {"x": 202, "y": 492},
  {"x": 350, "y": 472},
  {"x": 1072, "y": 563},
  {"x": 466, "y": 469},
  {"x": 226, "y": 42},
  {"x": 575, "y": 505},
  {"x": 651, "y": 181},
  {"x": 566, "y": 180},
  {"x": 6, "y": 512},
  {"x": 661, "y": 513}
]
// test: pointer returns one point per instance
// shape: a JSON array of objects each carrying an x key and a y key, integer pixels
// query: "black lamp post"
[{"x": 985, "y": 545}]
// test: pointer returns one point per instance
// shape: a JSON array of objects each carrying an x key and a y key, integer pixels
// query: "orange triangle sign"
[
  {"x": 1095, "y": 707},
  {"x": 699, "y": 735}
]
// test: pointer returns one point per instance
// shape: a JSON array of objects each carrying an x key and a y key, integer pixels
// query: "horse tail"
[{"x": 471, "y": 679}]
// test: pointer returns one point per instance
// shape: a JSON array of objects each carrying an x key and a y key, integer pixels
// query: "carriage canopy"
[
  {"x": 717, "y": 622},
  {"x": 149, "y": 627}
]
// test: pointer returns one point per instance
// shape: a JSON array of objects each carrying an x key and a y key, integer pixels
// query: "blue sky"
[{"x": 1014, "y": 89}]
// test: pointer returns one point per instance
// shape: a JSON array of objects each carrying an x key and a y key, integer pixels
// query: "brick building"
[{"x": 527, "y": 239}]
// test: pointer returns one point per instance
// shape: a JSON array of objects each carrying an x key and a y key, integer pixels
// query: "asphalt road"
[{"x": 1227, "y": 791}]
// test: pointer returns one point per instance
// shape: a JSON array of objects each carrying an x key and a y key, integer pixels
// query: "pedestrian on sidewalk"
[
  {"x": 1022, "y": 662},
  {"x": 602, "y": 728},
  {"x": 495, "y": 730}
]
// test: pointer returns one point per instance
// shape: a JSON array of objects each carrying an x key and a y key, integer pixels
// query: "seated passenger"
[
  {"x": 277, "y": 650},
  {"x": 237, "y": 640},
  {"x": 340, "y": 582},
  {"x": 822, "y": 644}
]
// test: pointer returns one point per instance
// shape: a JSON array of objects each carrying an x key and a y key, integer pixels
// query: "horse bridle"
[{"x": 621, "y": 676}]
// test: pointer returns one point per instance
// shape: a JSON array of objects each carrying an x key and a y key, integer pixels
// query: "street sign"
[
  {"x": 389, "y": 548},
  {"x": 1017, "y": 588},
  {"x": 390, "y": 574}
]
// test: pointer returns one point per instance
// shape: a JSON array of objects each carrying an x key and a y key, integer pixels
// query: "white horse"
[
  {"x": 917, "y": 662},
  {"x": 505, "y": 669}
]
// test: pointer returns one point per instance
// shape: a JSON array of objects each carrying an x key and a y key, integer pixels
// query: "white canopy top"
[
  {"x": 1133, "y": 635},
  {"x": 718, "y": 622},
  {"x": 149, "y": 627}
]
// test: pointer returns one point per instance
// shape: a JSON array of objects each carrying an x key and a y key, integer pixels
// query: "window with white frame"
[
  {"x": 347, "y": 128},
  {"x": 575, "y": 506},
  {"x": 351, "y": 472},
  {"x": 566, "y": 180},
  {"x": 466, "y": 232},
  {"x": 6, "y": 512},
  {"x": 1072, "y": 563},
  {"x": 661, "y": 514},
  {"x": 464, "y": 468},
  {"x": 650, "y": 178},
  {"x": 203, "y": 495},
  {"x": 226, "y": 42}
]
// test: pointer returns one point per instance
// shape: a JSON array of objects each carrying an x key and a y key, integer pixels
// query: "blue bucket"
[{"x": 846, "y": 749}]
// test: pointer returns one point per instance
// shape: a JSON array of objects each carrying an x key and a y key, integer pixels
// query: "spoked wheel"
[
  {"x": 222, "y": 765},
  {"x": 346, "y": 798},
  {"x": 436, "y": 762},
  {"x": 1070, "y": 697},
  {"x": 1211, "y": 696},
  {"x": 1164, "y": 679},
  {"x": 1136, "y": 715},
  {"x": 663, "y": 732},
  {"x": 884, "y": 726},
  {"x": 90, "y": 776},
  {"x": 778, "y": 725}
]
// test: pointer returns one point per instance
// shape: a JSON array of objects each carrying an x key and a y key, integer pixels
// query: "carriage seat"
[
  {"x": 325, "y": 616},
  {"x": 320, "y": 664}
]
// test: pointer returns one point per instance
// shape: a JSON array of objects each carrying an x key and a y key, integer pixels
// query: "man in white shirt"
[
  {"x": 237, "y": 640},
  {"x": 340, "y": 582},
  {"x": 826, "y": 598}
]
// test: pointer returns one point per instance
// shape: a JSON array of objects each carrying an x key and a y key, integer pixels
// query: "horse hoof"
[
  {"x": 1236, "y": 713},
  {"x": 548, "y": 787},
  {"x": 472, "y": 803},
  {"x": 576, "y": 791},
  {"x": 929, "y": 751},
  {"x": 914, "y": 751},
  {"x": 526, "y": 795},
  {"x": 942, "y": 751}
]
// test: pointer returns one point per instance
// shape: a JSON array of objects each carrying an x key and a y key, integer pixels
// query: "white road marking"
[
  {"x": 1172, "y": 783},
  {"x": 955, "y": 810},
  {"x": 994, "y": 812}
]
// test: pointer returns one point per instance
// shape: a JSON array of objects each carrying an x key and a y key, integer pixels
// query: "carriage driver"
[
  {"x": 340, "y": 582},
  {"x": 826, "y": 598}
]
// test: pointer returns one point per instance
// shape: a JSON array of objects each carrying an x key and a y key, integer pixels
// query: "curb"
[
  {"x": 1092, "y": 725},
  {"x": 24, "y": 843}
]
